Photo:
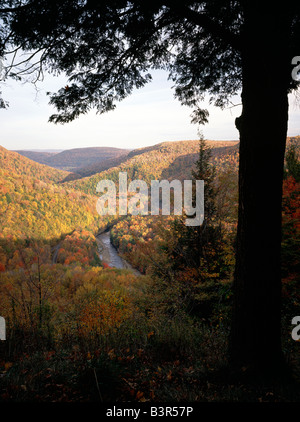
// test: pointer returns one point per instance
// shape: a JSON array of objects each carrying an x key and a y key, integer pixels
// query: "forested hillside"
[
  {"x": 37, "y": 156},
  {"x": 13, "y": 163},
  {"x": 33, "y": 204},
  {"x": 98, "y": 167},
  {"x": 73, "y": 159},
  {"x": 80, "y": 331},
  {"x": 167, "y": 160}
]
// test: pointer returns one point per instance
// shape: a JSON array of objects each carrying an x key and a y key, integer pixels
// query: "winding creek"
[{"x": 109, "y": 254}]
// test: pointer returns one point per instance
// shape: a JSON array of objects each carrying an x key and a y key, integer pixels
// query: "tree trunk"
[{"x": 256, "y": 326}]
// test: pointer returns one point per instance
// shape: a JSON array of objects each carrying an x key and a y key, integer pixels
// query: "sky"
[{"x": 149, "y": 116}]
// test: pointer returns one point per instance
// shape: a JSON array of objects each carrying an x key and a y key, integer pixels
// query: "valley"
[{"x": 84, "y": 294}]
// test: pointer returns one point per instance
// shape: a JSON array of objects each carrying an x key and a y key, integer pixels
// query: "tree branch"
[
  {"x": 212, "y": 27},
  {"x": 14, "y": 9}
]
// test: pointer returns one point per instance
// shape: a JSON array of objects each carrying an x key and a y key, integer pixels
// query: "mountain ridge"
[{"x": 71, "y": 159}]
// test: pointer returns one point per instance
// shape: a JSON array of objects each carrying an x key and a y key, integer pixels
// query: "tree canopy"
[{"x": 107, "y": 48}]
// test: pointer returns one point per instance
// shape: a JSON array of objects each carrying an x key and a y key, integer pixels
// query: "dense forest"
[
  {"x": 79, "y": 330},
  {"x": 74, "y": 159}
]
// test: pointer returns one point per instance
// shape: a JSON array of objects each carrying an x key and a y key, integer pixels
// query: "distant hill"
[
  {"x": 30, "y": 189},
  {"x": 73, "y": 159},
  {"x": 164, "y": 160},
  {"x": 37, "y": 156},
  {"x": 186, "y": 150},
  {"x": 97, "y": 167},
  {"x": 12, "y": 163},
  {"x": 178, "y": 147}
]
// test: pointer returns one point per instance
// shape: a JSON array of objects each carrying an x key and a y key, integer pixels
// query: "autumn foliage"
[{"x": 79, "y": 330}]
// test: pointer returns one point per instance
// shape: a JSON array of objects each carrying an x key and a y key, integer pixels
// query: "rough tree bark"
[{"x": 256, "y": 328}]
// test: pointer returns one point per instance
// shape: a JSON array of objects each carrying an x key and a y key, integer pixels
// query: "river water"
[{"x": 109, "y": 254}]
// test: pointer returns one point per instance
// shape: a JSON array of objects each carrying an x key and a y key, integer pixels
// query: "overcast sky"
[{"x": 149, "y": 116}]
